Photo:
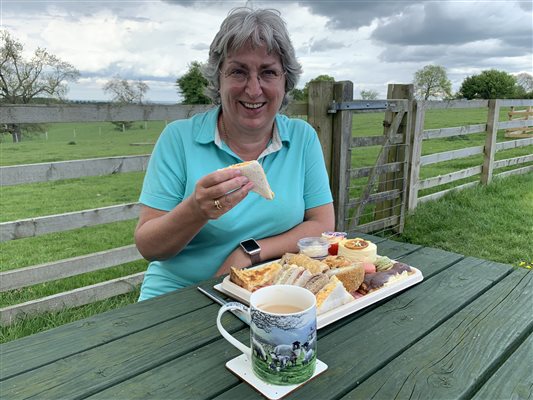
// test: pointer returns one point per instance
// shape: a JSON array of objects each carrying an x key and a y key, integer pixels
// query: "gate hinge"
[{"x": 358, "y": 105}]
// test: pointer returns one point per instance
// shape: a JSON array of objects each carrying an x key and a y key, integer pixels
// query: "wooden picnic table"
[{"x": 465, "y": 331}]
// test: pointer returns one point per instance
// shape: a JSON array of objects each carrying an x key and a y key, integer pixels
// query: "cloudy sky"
[{"x": 371, "y": 43}]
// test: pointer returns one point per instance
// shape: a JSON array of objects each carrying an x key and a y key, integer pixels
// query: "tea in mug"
[{"x": 280, "y": 308}]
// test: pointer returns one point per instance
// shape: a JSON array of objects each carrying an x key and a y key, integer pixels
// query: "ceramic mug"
[{"x": 282, "y": 333}]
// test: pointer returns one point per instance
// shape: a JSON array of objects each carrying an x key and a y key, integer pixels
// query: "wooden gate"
[{"x": 371, "y": 198}]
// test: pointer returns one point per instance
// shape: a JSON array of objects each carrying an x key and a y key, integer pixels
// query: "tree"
[
  {"x": 524, "y": 82},
  {"x": 432, "y": 81},
  {"x": 192, "y": 85},
  {"x": 22, "y": 80},
  {"x": 125, "y": 92},
  {"x": 297, "y": 94},
  {"x": 369, "y": 94},
  {"x": 303, "y": 94},
  {"x": 489, "y": 84}
]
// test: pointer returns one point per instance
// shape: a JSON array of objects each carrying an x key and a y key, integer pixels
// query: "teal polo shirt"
[{"x": 187, "y": 150}]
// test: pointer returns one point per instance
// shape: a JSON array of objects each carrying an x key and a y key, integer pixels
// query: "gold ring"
[{"x": 217, "y": 205}]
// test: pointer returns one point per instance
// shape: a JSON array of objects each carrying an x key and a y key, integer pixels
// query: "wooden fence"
[
  {"x": 329, "y": 110},
  {"x": 521, "y": 132},
  {"x": 486, "y": 171}
]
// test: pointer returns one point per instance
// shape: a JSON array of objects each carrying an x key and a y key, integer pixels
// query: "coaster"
[{"x": 242, "y": 367}]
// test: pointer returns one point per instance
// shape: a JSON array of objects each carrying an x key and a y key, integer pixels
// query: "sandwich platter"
[{"x": 235, "y": 291}]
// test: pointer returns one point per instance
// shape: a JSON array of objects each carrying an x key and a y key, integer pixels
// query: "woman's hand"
[
  {"x": 218, "y": 192},
  {"x": 160, "y": 234}
]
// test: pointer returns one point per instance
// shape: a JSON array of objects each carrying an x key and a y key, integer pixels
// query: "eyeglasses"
[{"x": 266, "y": 77}]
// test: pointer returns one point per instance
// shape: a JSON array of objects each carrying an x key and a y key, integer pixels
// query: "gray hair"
[{"x": 258, "y": 27}]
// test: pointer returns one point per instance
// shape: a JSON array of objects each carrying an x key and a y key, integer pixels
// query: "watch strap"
[{"x": 255, "y": 257}]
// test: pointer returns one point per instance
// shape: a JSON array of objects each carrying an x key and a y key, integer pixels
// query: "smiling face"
[{"x": 251, "y": 103}]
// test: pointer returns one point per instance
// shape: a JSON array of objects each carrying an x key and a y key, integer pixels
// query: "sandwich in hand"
[
  {"x": 331, "y": 296},
  {"x": 254, "y": 278},
  {"x": 255, "y": 173}
]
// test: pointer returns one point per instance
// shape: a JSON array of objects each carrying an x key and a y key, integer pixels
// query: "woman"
[{"x": 195, "y": 214}]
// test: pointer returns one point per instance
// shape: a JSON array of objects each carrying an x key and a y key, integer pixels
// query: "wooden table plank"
[
  {"x": 192, "y": 376},
  {"x": 43, "y": 348},
  {"x": 455, "y": 359},
  {"x": 109, "y": 364},
  {"x": 377, "y": 337},
  {"x": 514, "y": 379}
]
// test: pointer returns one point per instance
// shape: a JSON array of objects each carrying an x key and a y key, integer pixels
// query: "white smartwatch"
[{"x": 252, "y": 248}]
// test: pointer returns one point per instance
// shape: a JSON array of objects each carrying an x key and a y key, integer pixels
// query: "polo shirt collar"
[{"x": 209, "y": 132}]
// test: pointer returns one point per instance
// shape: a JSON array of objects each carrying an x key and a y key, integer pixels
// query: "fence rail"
[
  {"x": 31, "y": 227},
  {"x": 52, "y": 171},
  {"x": 489, "y": 149},
  {"x": 393, "y": 183}
]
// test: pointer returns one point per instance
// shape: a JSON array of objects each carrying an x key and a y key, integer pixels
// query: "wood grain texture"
[
  {"x": 513, "y": 380},
  {"x": 43, "y": 348},
  {"x": 455, "y": 359}
]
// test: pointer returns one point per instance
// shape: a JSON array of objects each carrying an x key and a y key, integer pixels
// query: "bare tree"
[
  {"x": 123, "y": 91},
  {"x": 126, "y": 92},
  {"x": 525, "y": 81},
  {"x": 23, "y": 80}
]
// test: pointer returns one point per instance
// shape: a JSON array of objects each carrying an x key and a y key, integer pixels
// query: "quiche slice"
[{"x": 252, "y": 279}]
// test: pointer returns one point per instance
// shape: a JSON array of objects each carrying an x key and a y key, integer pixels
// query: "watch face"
[{"x": 250, "y": 245}]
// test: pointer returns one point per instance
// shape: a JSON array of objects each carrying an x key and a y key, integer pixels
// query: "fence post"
[
  {"x": 319, "y": 101},
  {"x": 493, "y": 118},
  {"x": 396, "y": 180},
  {"x": 419, "y": 113},
  {"x": 342, "y": 153}
]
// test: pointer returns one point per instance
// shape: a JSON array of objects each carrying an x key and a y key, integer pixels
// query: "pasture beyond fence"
[{"x": 371, "y": 198}]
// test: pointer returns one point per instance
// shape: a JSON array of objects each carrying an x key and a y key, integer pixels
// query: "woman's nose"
[{"x": 253, "y": 86}]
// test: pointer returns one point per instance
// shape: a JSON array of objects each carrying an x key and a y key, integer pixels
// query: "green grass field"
[{"x": 499, "y": 217}]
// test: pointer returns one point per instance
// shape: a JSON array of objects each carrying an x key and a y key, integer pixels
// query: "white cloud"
[{"x": 369, "y": 43}]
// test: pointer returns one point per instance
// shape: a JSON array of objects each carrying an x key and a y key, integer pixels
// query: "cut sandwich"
[
  {"x": 331, "y": 296},
  {"x": 351, "y": 277},
  {"x": 255, "y": 173},
  {"x": 316, "y": 282},
  {"x": 252, "y": 279},
  {"x": 350, "y": 273},
  {"x": 303, "y": 278},
  {"x": 302, "y": 260},
  {"x": 288, "y": 275}
]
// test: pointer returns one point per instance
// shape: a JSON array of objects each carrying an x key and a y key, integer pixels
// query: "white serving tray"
[{"x": 231, "y": 289}]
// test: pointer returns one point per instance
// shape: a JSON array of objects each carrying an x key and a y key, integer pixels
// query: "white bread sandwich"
[
  {"x": 288, "y": 275},
  {"x": 255, "y": 173},
  {"x": 303, "y": 278},
  {"x": 331, "y": 296},
  {"x": 302, "y": 260},
  {"x": 252, "y": 279}
]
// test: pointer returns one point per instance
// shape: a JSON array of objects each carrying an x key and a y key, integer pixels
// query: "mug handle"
[{"x": 229, "y": 307}]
